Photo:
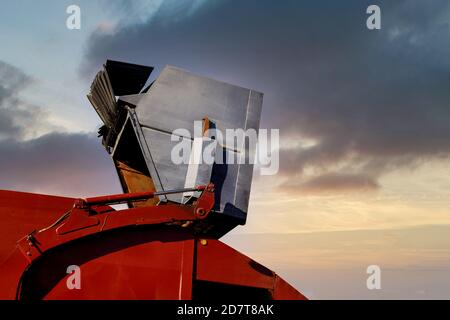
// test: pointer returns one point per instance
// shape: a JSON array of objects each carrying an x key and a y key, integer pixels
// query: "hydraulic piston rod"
[{"x": 122, "y": 198}]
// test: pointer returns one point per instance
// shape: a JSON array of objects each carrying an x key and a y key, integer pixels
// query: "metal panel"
[
  {"x": 171, "y": 175},
  {"x": 176, "y": 100},
  {"x": 127, "y": 78}
]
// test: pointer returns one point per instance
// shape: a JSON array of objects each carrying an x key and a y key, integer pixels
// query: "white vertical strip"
[{"x": 194, "y": 162}]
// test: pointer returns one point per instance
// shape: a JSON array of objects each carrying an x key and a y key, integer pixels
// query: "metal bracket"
[{"x": 92, "y": 215}]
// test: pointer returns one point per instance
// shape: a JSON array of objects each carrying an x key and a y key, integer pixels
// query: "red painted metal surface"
[
  {"x": 219, "y": 263},
  {"x": 141, "y": 253},
  {"x": 21, "y": 213},
  {"x": 153, "y": 263}
]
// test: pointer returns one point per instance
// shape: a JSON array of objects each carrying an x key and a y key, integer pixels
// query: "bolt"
[
  {"x": 201, "y": 211},
  {"x": 203, "y": 242}
]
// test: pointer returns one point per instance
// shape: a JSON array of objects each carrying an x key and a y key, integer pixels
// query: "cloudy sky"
[{"x": 364, "y": 119}]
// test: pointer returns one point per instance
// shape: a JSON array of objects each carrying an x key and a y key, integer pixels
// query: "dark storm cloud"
[
  {"x": 15, "y": 117},
  {"x": 371, "y": 100},
  {"x": 57, "y": 163}
]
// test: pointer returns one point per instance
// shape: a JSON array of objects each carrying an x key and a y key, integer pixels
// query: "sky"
[{"x": 364, "y": 121}]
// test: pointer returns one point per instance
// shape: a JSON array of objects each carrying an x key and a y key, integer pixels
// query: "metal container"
[{"x": 149, "y": 125}]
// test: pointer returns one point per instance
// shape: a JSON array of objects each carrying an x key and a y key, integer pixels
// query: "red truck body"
[{"x": 152, "y": 252}]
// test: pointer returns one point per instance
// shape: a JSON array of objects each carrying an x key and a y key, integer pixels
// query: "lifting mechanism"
[
  {"x": 155, "y": 252},
  {"x": 165, "y": 243}
]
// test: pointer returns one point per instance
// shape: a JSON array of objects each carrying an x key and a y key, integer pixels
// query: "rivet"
[{"x": 203, "y": 242}]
